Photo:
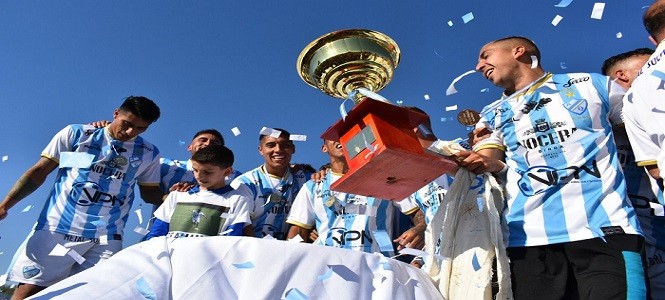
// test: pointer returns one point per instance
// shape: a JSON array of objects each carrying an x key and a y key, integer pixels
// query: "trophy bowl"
[{"x": 339, "y": 62}]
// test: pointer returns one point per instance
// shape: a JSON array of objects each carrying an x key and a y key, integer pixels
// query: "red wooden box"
[{"x": 398, "y": 165}]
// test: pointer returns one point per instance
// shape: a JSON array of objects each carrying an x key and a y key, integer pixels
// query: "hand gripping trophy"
[{"x": 384, "y": 156}]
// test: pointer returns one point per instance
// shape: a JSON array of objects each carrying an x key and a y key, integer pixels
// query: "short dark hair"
[
  {"x": 216, "y": 155},
  {"x": 531, "y": 47},
  {"x": 214, "y": 132},
  {"x": 141, "y": 107},
  {"x": 612, "y": 61},
  {"x": 283, "y": 133},
  {"x": 654, "y": 19}
]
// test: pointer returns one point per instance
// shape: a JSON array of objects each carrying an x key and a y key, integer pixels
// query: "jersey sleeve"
[
  {"x": 302, "y": 210},
  {"x": 165, "y": 211},
  {"x": 615, "y": 94},
  {"x": 61, "y": 142},
  {"x": 407, "y": 206},
  {"x": 151, "y": 175},
  {"x": 241, "y": 211},
  {"x": 645, "y": 147}
]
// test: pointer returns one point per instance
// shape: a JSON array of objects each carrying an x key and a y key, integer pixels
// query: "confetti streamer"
[
  {"x": 451, "y": 88},
  {"x": 597, "y": 12},
  {"x": 564, "y": 3},
  {"x": 245, "y": 265},
  {"x": 236, "y": 131},
  {"x": 367, "y": 93},
  {"x": 298, "y": 137},
  {"x": 467, "y": 18},
  {"x": 556, "y": 20},
  {"x": 139, "y": 215},
  {"x": 452, "y": 107}
]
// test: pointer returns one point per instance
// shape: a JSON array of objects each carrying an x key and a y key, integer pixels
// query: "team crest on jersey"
[
  {"x": 576, "y": 106},
  {"x": 120, "y": 160},
  {"x": 30, "y": 271},
  {"x": 542, "y": 125},
  {"x": 135, "y": 161}
]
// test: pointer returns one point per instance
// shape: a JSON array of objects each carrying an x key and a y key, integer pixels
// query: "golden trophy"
[{"x": 384, "y": 155}]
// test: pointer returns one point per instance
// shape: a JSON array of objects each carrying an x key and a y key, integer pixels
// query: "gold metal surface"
[{"x": 339, "y": 62}]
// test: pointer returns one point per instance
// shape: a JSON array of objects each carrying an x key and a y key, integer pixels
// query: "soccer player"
[
  {"x": 88, "y": 206},
  {"x": 571, "y": 231},
  {"x": 211, "y": 208},
  {"x": 350, "y": 221},
  {"x": 272, "y": 186},
  {"x": 645, "y": 195}
]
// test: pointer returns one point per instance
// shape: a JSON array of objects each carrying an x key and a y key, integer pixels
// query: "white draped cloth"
[
  {"x": 471, "y": 238},
  {"x": 243, "y": 268}
]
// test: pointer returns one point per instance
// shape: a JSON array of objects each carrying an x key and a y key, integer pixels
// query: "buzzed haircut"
[
  {"x": 614, "y": 60},
  {"x": 214, "y": 132},
  {"x": 283, "y": 133},
  {"x": 141, "y": 107},
  {"x": 216, "y": 155},
  {"x": 531, "y": 48},
  {"x": 654, "y": 19}
]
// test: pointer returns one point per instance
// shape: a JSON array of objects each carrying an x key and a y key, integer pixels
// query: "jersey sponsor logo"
[
  {"x": 537, "y": 105},
  {"x": 576, "y": 106},
  {"x": 573, "y": 81},
  {"x": 343, "y": 237},
  {"x": 108, "y": 171},
  {"x": 546, "y": 139},
  {"x": 539, "y": 179},
  {"x": 30, "y": 271},
  {"x": 89, "y": 193},
  {"x": 78, "y": 239},
  {"x": 653, "y": 61}
]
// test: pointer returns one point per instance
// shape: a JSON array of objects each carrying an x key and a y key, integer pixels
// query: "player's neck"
[
  {"x": 213, "y": 187},
  {"x": 339, "y": 166},
  {"x": 275, "y": 171}
]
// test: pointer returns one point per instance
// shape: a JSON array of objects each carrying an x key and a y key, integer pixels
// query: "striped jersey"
[
  {"x": 345, "y": 220},
  {"x": 564, "y": 181},
  {"x": 644, "y": 193},
  {"x": 173, "y": 171},
  {"x": 644, "y": 109},
  {"x": 428, "y": 197},
  {"x": 92, "y": 197},
  {"x": 199, "y": 212},
  {"x": 271, "y": 199}
]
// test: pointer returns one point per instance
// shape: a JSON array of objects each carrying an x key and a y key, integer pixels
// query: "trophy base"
[{"x": 392, "y": 174}]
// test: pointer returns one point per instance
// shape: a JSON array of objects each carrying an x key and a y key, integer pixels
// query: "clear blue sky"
[{"x": 222, "y": 64}]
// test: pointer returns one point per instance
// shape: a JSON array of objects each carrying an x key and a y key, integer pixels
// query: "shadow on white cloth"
[{"x": 243, "y": 268}]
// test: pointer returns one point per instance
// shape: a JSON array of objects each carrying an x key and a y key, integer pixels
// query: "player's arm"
[
  {"x": 414, "y": 237},
  {"x": 297, "y": 230},
  {"x": 483, "y": 160},
  {"x": 30, "y": 181},
  {"x": 151, "y": 194},
  {"x": 654, "y": 171},
  {"x": 158, "y": 228},
  {"x": 248, "y": 230}
]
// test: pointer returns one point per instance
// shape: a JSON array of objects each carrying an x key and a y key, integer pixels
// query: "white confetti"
[
  {"x": 411, "y": 251},
  {"x": 76, "y": 256},
  {"x": 140, "y": 230},
  {"x": 399, "y": 102},
  {"x": 451, "y": 88},
  {"x": 444, "y": 119},
  {"x": 139, "y": 215},
  {"x": 236, "y": 131},
  {"x": 225, "y": 232},
  {"x": 298, "y": 137},
  {"x": 104, "y": 240},
  {"x": 296, "y": 239},
  {"x": 5, "y": 158},
  {"x": 597, "y": 12},
  {"x": 268, "y": 237},
  {"x": 426, "y": 97},
  {"x": 452, "y": 107},
  {"x": 556, "y": 20},
  {"x": 467, "y": 18},
  {"x": 534, "y": 61},
  {"x": 619, "y": 35},
  {"x": 226, "y": 216},
  {"x": 271, "y": 132},
  {"x": 27, "y": 208},
  {"x": 59, "y": 250},
  {"x": 450, "y": 23},
  {"x": 485, "y": 90}
]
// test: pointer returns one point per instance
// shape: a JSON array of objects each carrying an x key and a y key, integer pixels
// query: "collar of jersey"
[
  {"x": 529, "y": 89},
  {"x": 219, "y": 191}
]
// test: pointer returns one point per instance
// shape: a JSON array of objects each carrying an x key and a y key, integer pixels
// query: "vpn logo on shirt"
[
  {"x": 539, "y": 179},
  {"x": 88, "y": 193}
]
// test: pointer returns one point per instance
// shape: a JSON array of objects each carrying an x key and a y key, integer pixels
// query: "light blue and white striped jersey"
[
  {"x": 428, "y": 197},
  {"x": 564, "y": 179},
  {"x": 94, "y": 201},
  {"x": 173, "y": 171},
  {"x": 345, "y": 220},
  {"x": 644, "y": 193},
  {"x": 269, "y": 213}
]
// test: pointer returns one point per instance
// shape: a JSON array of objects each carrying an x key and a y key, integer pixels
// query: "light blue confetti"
[
  {"x": 386, "y": 266},
  {"x": 564, "y": 3},
  {"x": 245, "y": 265},
  {"x": 485, "y": 90},
  {"x": 98, "y": 223},
  {"x": 27, "y": 208},
  {"x": 295, "y": 294},
  {"x": 144, "y": 288},
  {"x": 325, "y": 275},
  {"x": 182, "y": 143},
  {"x": 444, "y": 119},
  {"x": 467, "y": 18},
  {"x": 563, "y": 65},
  {"x": 475, "y": 263}
]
